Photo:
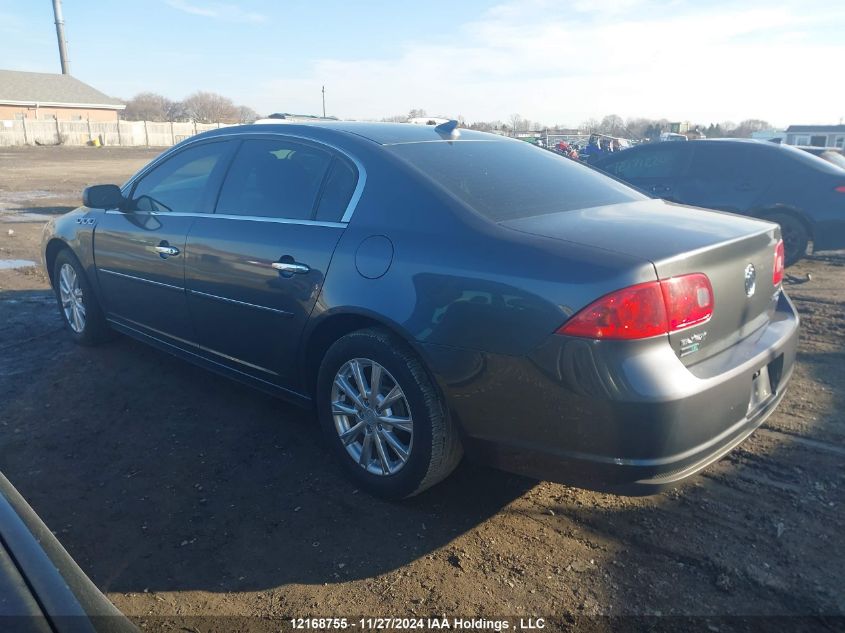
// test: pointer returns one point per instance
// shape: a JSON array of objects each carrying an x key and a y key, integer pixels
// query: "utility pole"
[
  {"x": 60, "y": 34},
  {"x": 324, "y": 102}
]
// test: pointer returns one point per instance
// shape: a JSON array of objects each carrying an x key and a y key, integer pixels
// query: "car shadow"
[{"x": 158, "y": 475}]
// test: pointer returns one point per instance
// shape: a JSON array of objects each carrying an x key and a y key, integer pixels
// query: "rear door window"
[
  {"x": 337, "y": 192},
  {"x": 274, "y": 178},
  {"x": 726, "y": 162}
]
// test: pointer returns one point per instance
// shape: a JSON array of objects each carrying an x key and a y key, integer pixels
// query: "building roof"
[
  {"x": 23, "y": 88},
  {"x": 816, "y": 128}
]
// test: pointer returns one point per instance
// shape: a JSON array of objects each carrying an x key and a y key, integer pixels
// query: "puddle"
[{"x": 9, "y": 264}]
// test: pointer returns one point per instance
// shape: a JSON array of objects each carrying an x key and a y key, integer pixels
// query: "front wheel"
[
  {"x": 383, "y": 417},
  {"x": 78, "y": 305}
]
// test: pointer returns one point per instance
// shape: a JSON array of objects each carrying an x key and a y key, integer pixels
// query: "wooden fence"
[{"x": 125, "y": 133}]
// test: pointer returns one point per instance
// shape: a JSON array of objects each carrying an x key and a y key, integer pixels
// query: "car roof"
[{"x": 381, "y": 133}]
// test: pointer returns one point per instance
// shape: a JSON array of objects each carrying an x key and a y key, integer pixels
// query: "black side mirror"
[{"x": 103, "y": 197}]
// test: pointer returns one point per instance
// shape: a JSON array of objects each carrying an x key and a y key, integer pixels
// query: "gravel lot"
[{"x": 181, "y": 493}]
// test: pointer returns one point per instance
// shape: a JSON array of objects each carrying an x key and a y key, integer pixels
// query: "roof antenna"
[{"x": 449, "y": 127}]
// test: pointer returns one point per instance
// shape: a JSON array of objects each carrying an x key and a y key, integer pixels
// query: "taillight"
[
  {"x": 840, "y": 189},
  {"x": 689, "y": 300},
  {"x": 777, "y": 270},
  {"x": 644, "y": 310}
]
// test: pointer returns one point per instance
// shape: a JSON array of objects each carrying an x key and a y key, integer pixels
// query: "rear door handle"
[
  {"x": 166, "y": 250},
  {"x": 291, "y": 267}
]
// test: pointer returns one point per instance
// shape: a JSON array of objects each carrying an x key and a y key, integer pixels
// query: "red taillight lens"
[
  {"x": 777, "y": 270},
  {"x": 840, "y": 189},
  {"x": 689, "y": 300},
  {"x": 644, "y": 310}
]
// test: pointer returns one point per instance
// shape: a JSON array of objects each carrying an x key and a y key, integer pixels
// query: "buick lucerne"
[{"x": 433, "y": 292}]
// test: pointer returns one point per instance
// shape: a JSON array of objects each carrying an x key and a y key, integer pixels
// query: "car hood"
[{"x": 653, "y": 230}]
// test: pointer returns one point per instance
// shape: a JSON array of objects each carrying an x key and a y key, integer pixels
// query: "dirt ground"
[{"x": 182, "y": 493}]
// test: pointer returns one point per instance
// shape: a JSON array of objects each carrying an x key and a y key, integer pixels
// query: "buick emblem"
[{"x": 750, "y": 280}]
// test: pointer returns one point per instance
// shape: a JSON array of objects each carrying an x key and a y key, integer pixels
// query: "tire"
[
  {"x": 795, "y": 236},
  {"x": 430, "y": 443},
  {"x": 78, "y": 305}
]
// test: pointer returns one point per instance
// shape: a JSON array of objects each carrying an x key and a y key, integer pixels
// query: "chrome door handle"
[
  {"x": 167, "y": 251},
  {"x": 290, "y": 267}
]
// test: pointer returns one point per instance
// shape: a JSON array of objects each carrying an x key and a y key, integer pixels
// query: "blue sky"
[{"x": 553, "y": 62}]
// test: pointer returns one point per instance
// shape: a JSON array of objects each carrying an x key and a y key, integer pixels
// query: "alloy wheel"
[
  {"x": 73, "y": 300},
  {"x": 372, "y": 416}
]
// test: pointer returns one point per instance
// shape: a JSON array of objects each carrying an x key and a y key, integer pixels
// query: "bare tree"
[
  {"x": 396, "y": 118},
  {"x": 745, "y": 128},
  {"x": 209, "y": 107},
  {"x": 148, "y": 106},
  {"x": 416, "y": 113},
  {"x": 518, "y": 124},
  {"x": 591, "y": 125},
  {"x": 612, "y": 125},
  {"x": 246, "y": 114}
]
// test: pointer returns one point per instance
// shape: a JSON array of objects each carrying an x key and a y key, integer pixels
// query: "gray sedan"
[{"x": 432, "y": 292}]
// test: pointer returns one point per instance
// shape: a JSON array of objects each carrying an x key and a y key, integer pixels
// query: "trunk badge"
[{"x": 750, "y": 280}]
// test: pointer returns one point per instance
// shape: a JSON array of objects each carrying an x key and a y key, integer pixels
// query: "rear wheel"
[
  {"x": 795, "y": 236},
  {"x": 382, "y": 416},
  {"x": 78, "y": 305}
]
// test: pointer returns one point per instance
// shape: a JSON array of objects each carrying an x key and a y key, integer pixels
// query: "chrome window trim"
[
  {"x": 350, "y": 207},
  {"x": 141, "y": 279},
  {"x": 283, "y": 313},
  {"x": 226, "y": 216}
]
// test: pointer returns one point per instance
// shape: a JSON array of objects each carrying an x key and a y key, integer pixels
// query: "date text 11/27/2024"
[{"x": 420, "y": 624}]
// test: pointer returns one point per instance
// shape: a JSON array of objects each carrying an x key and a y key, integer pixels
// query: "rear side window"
[
  {"x": 504, "y": 180},
  {"x": 337, "y": 192},
  {"x": 274, "y": 178},
  {"x": 181, "y": 183},
  {"x": 659, "y": 161}
]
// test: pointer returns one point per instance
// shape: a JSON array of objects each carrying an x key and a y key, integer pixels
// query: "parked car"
[
  {"x": 41, "y": 587},
  {"x": 430, "y": 294},
  {"x": 833, "y": 155},
  {"x": 802, "y": 193}
]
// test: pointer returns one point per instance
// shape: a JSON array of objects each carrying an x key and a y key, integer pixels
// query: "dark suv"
[{"x": 801, "y": 192}]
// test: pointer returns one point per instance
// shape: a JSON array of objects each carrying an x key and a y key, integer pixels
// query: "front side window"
[
  {"x": 659, "y": 161},
  {"x": 274, "y": 178},
  {"x": 181, "y": 183}
]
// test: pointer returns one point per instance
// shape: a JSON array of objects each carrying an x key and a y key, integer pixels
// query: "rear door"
[
  {"x": 653, "y": 169},
  {"x": 255, "y": 267},
  {"x": 139, "y": 250},
  {"x": 725, "y": 176}
]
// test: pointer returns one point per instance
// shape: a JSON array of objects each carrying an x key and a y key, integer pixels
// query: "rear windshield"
[
  {"x": 505, "y": 180},
  {"x": 819, "y": 164}
]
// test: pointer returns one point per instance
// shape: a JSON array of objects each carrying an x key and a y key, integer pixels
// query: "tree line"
[
  {"x": 612, "y": 125},
  {"x": 209, "y": 107},
  {"x": 202, "y": 107}
]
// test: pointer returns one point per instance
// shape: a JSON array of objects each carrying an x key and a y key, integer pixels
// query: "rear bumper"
[{"x": 620, "y": 417}]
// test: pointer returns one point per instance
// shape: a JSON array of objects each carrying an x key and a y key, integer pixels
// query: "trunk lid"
[{"x": 735, "y": 252}]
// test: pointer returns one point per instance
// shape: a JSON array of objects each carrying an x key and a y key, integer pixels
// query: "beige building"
[{"x": 26, "y": 95}]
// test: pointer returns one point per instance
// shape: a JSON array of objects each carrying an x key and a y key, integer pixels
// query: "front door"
[
  {"x": 255, "y": 267},
  {"x": 139, "y": 251}
]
